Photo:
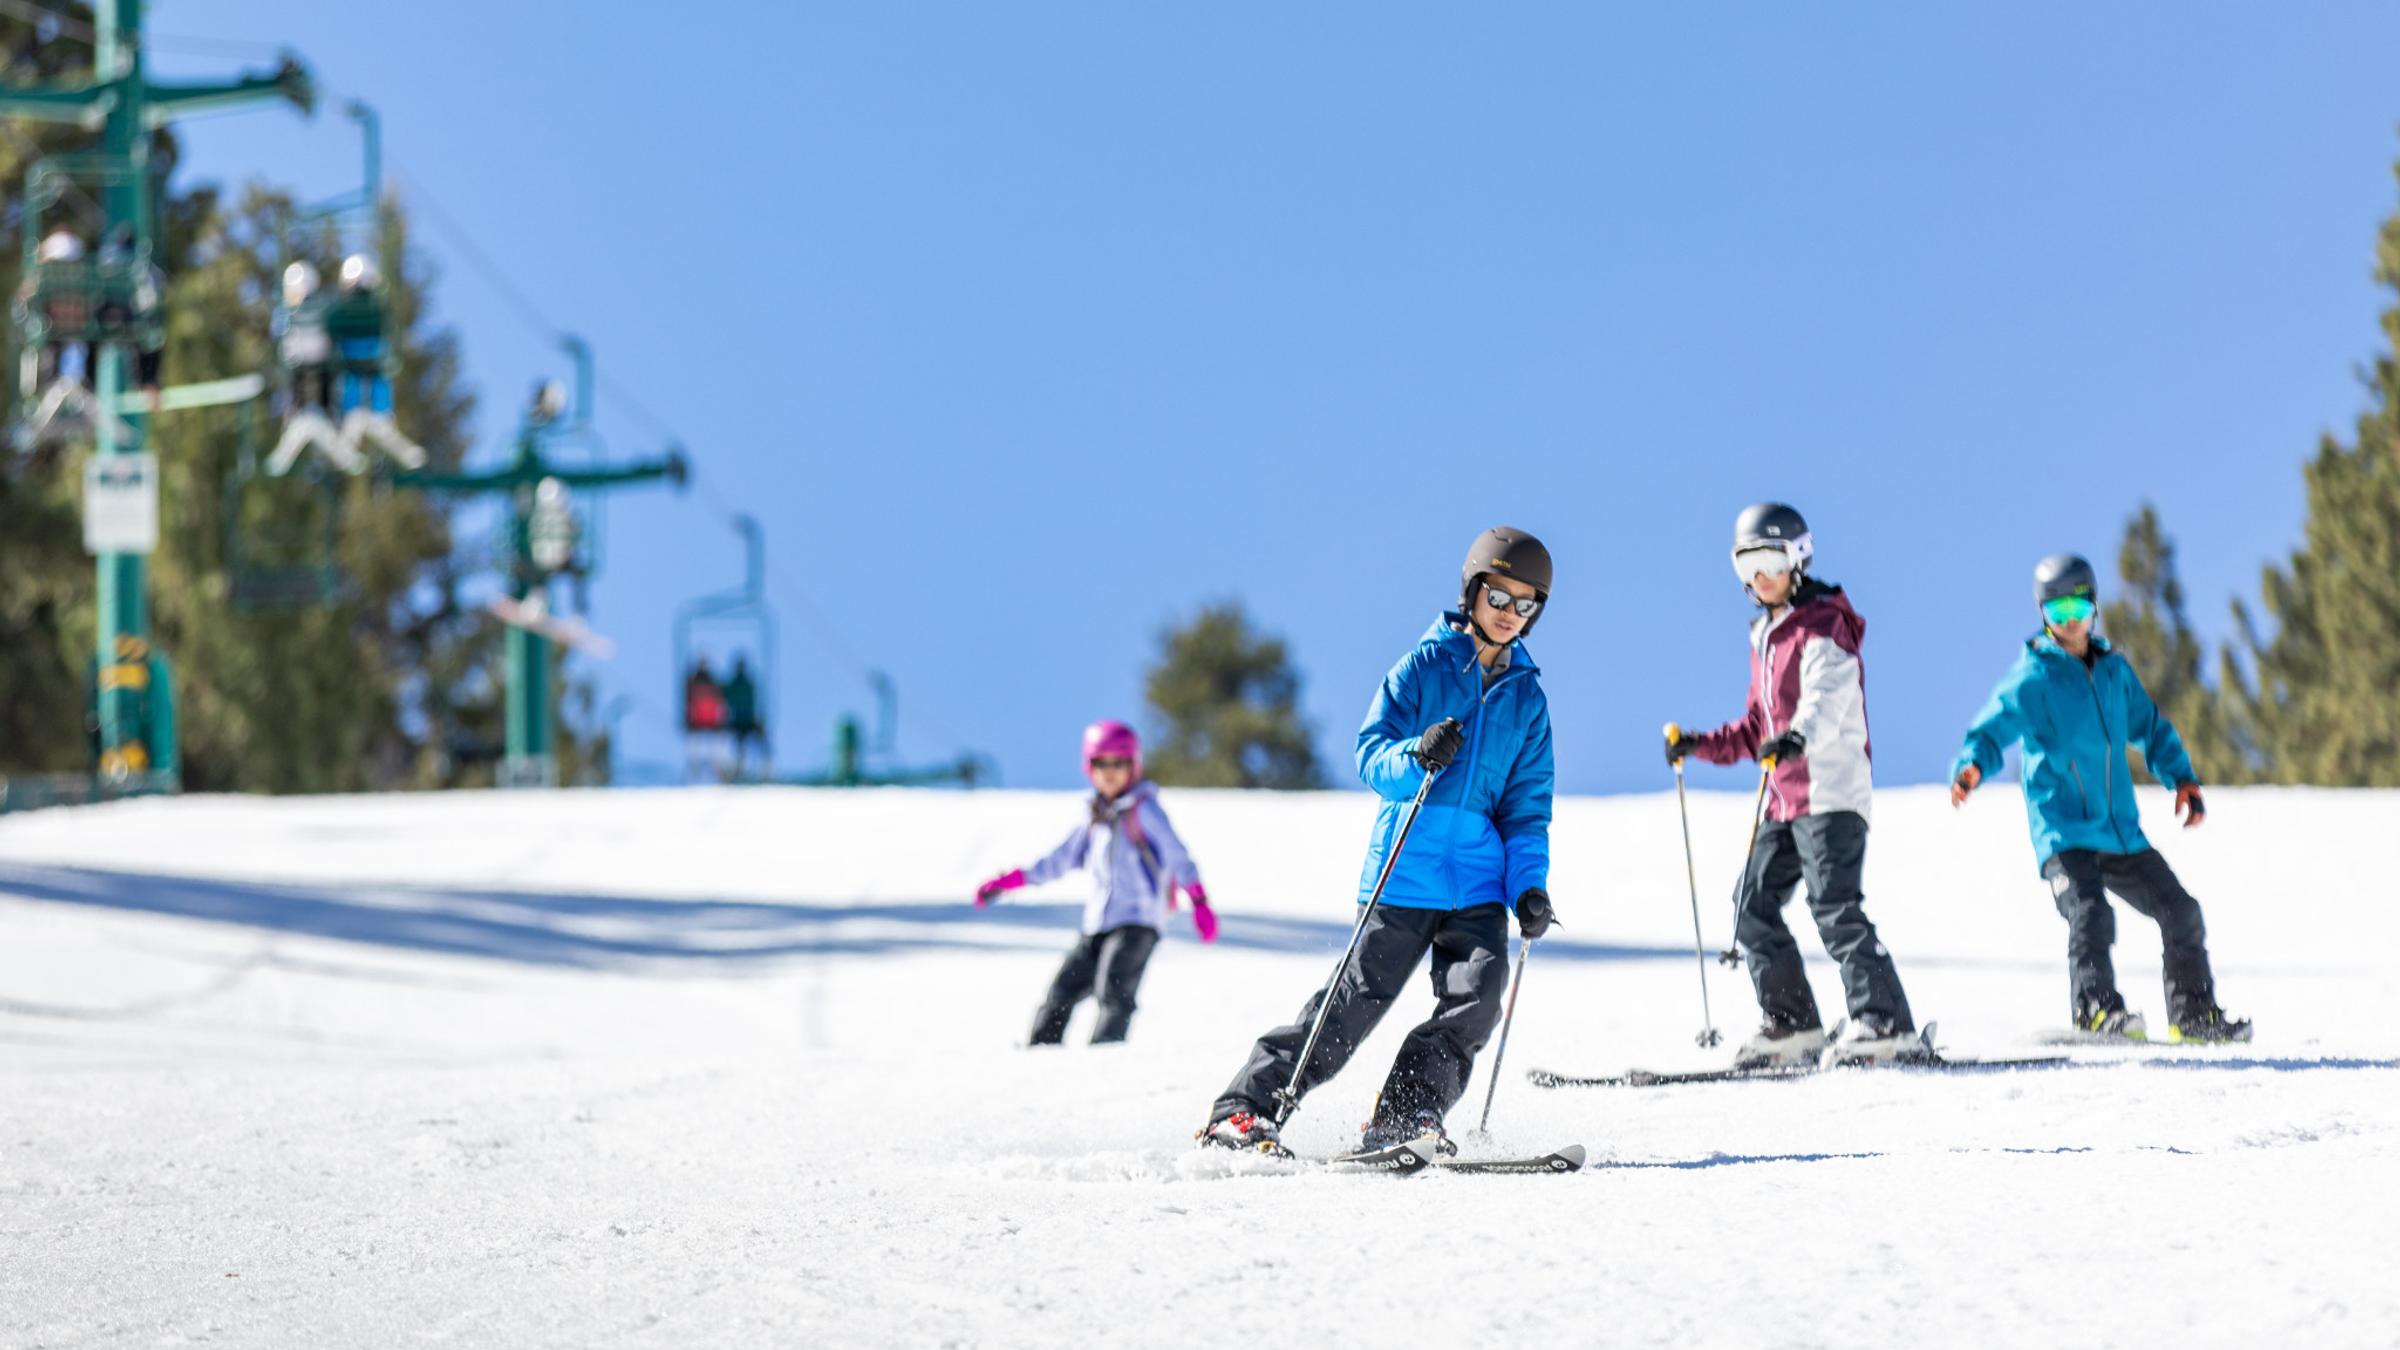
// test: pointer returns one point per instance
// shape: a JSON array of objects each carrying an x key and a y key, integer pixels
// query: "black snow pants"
[
  {"x": 1111, "y": 962},
  {"x": 1470, "y": 980},
  {"x": 2080, "y": 880},
  {"x": 1830, "y": 853}
]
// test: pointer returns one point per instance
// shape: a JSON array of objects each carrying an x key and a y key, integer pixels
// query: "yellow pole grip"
[{"x": 1674, "y": 733}]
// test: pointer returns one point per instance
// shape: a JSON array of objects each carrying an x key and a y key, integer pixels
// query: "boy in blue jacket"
[
  {"x": 2074, "y": 703},
  {"x": 1466, "y": 704}
]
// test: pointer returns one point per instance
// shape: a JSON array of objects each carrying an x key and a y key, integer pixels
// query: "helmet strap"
[{"x": 1466, "y": 601}]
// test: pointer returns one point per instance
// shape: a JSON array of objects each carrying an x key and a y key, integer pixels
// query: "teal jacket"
[
  {"x": 1484, "y": 836},
  {"x": 2074, "y": 722}
]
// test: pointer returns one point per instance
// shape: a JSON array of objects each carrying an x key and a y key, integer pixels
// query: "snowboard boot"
[
  {"x": 1246, "y": 1132},
  {"x": 1872, "y": 1039},
  {"x": 1778, "y": 1043},
  {"x": 2207, "y": 1026},
  {"x": 1390, "y": 1131},
  {"x": 2113, "y": 1024}
]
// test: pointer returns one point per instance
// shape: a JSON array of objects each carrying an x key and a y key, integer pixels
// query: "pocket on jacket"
[{"x": 2055, "y": 794}]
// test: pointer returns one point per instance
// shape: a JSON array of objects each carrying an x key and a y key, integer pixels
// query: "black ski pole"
[
  {"x": 1288, "y": 1098},
  {"x": 1508, "y": 1018},
  {"x": 1732, "y": 955},
  {"x": 1708, "y": 1022}
]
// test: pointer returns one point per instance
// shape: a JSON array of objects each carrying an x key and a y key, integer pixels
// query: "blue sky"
[{"x": 1028, "y": 329}]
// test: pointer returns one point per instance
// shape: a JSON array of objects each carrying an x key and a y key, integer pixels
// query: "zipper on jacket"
[
  {"x": 2108, "y": 787},
  {"x": 1766, "y": 666},
  {"x": 2082, "y": 793},
  {"x": 1483, "y": 702}
]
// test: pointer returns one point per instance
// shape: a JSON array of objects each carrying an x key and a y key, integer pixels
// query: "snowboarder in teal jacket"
[{"x": 2074, "y": 703}]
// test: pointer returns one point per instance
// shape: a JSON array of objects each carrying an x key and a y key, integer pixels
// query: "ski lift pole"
[
  {"x": 529, "y": 761},
  {"x": 1288, "y": 1098}
]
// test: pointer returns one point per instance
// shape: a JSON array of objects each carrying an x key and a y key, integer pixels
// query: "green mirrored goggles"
[{"x": 2068, "y": 609}]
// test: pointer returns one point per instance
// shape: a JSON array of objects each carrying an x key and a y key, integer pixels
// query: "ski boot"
[
  {"x": 2207, "y": 1026},
  {"x": 1873, "y": 1039},
  {"x": 1780, "y": 1043},
  {"x": 1246, "y": 1132},
  {"x": 1387, "y": 1131}
]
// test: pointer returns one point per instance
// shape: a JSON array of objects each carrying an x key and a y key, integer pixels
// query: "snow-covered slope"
[{"x": 739, "y": 1068}]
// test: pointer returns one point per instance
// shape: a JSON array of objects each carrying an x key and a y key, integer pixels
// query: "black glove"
[
  {"x": 1534, "y": 915},
  {"x": 1679, "y": 747},
  {"x": 1439, "y": 744},
  {"x": 1790, "y": 745}
]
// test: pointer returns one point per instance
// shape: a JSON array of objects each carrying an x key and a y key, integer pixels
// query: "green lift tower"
[
  {"x": 134, "y": 702},
  {"x": 543, "y": 541}
]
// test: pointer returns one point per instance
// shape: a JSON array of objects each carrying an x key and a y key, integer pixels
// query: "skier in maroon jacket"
[{"x": 1808, "y": 713}]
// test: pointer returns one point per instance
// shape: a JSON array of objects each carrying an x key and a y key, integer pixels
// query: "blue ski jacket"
[
  {"x": 1484, "y": 833},
  {"x": 2075, "y": 722}
]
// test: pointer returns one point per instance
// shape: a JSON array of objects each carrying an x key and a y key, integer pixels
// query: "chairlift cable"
[{"x": 532, "y": 316}]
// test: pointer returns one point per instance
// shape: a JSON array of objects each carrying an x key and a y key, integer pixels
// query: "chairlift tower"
[
  {"x": 134, "y": 702},
  {"x": 540, "y": 545}
]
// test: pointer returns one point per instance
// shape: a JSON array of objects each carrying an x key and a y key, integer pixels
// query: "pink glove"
[
  {"x": 1203, "y": 918},
  {"x": 1006, "y": 881}
]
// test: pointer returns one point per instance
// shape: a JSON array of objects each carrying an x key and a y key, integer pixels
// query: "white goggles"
[{"x": 1771, "y": 559}]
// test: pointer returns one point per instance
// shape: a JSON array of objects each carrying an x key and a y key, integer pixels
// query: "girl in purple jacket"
[{"x": 1135, "y": 863}]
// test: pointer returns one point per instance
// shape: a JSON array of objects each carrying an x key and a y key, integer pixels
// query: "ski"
[
  {"x": 1924, "y": 1059},
  {"x": 1544, "y": 1078},
  {"x": 1778, "y": 1072},
  {"x": 1568, "y": 1159},
  {"x": 1401, "y": 1160}
]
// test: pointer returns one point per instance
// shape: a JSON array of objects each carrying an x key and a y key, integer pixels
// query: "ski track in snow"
[{"x": 738, "y": 1068}]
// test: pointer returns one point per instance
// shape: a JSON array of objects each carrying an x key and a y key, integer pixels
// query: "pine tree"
[
  {"x": 1228, "y": 699},
  {"x": 2150, "y": 627},
  {"x": 2323, "y": 699}
]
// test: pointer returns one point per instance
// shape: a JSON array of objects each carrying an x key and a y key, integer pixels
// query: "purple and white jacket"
[
  {"x": 1131, "y": 856},
  {"x": 1806, "y": 676}
]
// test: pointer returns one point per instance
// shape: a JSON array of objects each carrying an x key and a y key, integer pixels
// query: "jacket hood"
[{"x": 1823, "y": 602}]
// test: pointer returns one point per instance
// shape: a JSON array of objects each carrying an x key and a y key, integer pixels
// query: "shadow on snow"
[{"x": 607, "y": 932}]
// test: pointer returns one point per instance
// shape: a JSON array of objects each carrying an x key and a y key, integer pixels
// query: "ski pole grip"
[{"x": 1674, "y": 733}]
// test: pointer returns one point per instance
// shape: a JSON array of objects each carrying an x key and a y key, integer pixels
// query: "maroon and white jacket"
[{"x": 1806, "y": 676}]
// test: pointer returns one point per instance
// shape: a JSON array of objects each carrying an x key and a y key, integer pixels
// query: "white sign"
[{"x": 120, "y": 504}]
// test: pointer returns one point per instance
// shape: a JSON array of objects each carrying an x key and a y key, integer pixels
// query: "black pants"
[
  {"x": 1470, "y": 980},
  {"x": 1112, "y": 962},
  {"x": 1830, "y": 853},
  {"x": 2080, "y": 880}
]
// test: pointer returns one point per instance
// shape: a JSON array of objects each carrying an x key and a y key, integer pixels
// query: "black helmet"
[
  {"x": 1511, "y": 553},
  {"x": 2063, "y": 574},
  {"x": 1768, "y": 524}
]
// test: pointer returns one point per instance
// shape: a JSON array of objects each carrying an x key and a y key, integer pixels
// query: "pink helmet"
[{"x": 1112, "y": 738}]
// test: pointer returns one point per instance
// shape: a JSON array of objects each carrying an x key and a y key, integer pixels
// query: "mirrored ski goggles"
[
  {"x": 1749, "y": 562},
  {"x": 2068, "y": 609},
  {"x": 1111, "y": 762},
  {"x": 1526, "y": 607}
]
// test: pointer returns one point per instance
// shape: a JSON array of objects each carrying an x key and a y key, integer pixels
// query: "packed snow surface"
[{"x": 741, "y": 1068}]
